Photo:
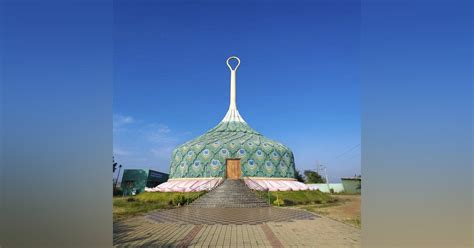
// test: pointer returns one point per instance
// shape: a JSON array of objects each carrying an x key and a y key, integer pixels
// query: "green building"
[
  {"x": 352, "y": 185},
  {"x": 134, "y": 181}
]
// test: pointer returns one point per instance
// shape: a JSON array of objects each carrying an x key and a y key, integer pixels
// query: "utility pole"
[
  {"x": 320, "y": 169},
  {"x": 116, "y": 182},
  {"x": 327, "y": 179}
]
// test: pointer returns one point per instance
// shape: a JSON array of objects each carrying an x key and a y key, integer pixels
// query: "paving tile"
[
  {"x": 227, "y": 216},
  {"x": 287, "y": 229}
]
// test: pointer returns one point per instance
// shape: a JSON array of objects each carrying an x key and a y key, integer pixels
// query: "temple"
[{"x": 231, "y": 150}]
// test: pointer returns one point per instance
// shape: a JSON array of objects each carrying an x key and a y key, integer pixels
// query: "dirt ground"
[{"x": 346, "y": 209}]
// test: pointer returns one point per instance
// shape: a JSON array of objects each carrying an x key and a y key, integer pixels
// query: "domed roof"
[
  {"x": 206, "y": 155},
  {"x": 232, "y": 138}
]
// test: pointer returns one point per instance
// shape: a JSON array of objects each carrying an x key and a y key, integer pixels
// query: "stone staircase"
[{"x": 230, "y": 194}]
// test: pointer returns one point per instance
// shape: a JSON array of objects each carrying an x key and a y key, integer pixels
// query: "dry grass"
[{"x": 346, "y": 209}]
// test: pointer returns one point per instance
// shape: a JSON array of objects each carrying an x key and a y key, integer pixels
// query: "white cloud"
[
  {"x": 123, "y": 119},
  {"x": 163, "y": 141},
  {"x": 163, "y": 129},
  {"x": 121, "y": 152},
  {"x": 119, "y": 121},
  {"x": 162, "y": 152},
  {"x": 139, "y": 144},
  {"x": 161, "y": 134}
]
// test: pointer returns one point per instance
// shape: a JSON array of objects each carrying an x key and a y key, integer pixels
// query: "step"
[{"x": 230, "y": 194}]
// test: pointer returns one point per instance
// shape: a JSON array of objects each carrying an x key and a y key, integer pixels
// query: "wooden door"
[{"x": 233, "y": 169}]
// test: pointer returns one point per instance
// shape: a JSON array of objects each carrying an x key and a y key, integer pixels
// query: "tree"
[
  {"x": 298, "y": 176},
  {"x": 114, "y": 165},
  {"x": 313, "y": 177}
]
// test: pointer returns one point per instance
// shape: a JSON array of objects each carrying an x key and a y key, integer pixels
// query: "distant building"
[
  {"x": 327, "y": 188},
  {"x": 349, "y": 185},
  {"x": 134, "y": 181},
  {"x": 352, "y": 185}
]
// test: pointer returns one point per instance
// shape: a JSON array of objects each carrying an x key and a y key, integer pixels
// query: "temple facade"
[{"x": 231, "y": 150}]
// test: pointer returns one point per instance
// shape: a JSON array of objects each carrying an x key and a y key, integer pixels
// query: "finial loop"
[{"x": 238, "y": 63}]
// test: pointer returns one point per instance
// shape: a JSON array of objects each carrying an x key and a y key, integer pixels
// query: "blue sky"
[{"x": 298, "y": 82}]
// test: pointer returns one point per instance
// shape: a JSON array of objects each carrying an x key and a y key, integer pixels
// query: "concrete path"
[{"x": 145, "y": 231}]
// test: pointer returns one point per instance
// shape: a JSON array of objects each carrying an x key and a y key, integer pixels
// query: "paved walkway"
[
  {"x": 228, "y": 216},
  {"x": 297, "y": 230}
]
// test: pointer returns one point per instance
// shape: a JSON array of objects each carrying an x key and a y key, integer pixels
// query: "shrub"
[
  {"x": 118, "y": 192},
  {"x": 279, "y": 202},
  {"x": 301, "y": 197},
  {"x": 179, "y": 200}
]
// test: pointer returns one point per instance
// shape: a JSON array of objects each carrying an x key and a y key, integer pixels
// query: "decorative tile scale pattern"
[{"x": 206, "y": 155}]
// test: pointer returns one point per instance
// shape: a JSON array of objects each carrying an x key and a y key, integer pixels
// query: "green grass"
[
  {"x": 355, "y": 222},
  {"x": 345, "y": 193},
  {"x": 292, "y": 198},
  {"x": 148, "y": 201}
]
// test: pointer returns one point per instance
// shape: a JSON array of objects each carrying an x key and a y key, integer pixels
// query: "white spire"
[{"x": 233, "y": 113}]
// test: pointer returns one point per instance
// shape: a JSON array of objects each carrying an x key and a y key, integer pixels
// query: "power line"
[
  {"x": 347, "y": 151},
  {"x": 353, "y": 156}
]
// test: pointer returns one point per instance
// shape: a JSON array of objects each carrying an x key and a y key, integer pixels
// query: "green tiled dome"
[
  {"x": 232, "y": 138},
  {"x": 206, "y": 155}
]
